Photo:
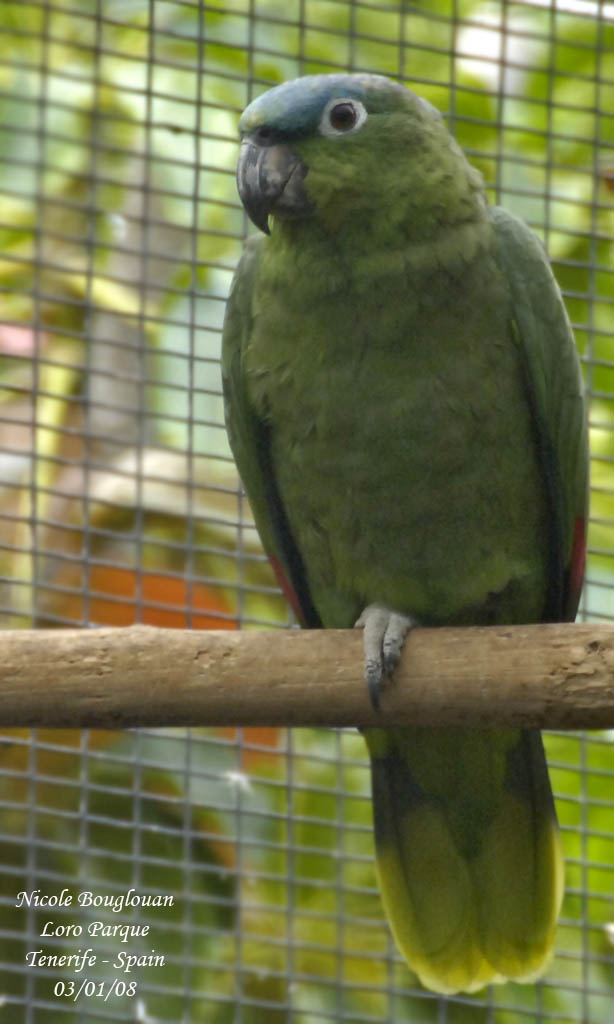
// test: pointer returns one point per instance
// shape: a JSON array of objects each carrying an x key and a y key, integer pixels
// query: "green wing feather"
[
  {"x": 250, "y": 442},
  {"x": 245, "y": 432},
  {"x": 544, "y": 336}
]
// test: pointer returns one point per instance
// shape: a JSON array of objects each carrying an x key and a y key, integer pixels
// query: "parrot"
[{"x": 404, "y": 403}]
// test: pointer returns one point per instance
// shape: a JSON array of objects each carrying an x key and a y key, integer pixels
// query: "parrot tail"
[{"x": 468, "y": 852}]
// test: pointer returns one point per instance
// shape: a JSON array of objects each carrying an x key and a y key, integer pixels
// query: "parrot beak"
[{"x": 270, "y": 179}]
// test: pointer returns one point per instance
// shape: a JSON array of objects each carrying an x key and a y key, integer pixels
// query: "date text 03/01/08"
[{"x": 101, "y": 989}]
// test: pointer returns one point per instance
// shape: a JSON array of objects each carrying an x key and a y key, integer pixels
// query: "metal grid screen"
[{"x": 119, "y": 502}]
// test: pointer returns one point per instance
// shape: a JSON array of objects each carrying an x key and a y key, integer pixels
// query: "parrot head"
[{"x": 341, "y": 148}]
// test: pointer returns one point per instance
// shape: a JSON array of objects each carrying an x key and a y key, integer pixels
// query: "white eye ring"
[{"x": 326, "y": 127}]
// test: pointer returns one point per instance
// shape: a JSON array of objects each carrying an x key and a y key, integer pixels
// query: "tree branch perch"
[{"x": 546, "y": 676}]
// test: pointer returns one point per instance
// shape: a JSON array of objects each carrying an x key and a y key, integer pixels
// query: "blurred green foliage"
[{"x": 119, "y": 231}]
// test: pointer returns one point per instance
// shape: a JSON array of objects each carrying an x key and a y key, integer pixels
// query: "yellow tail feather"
[{"x": 468, "y": 853}]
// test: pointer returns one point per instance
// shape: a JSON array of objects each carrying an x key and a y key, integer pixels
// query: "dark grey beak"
[{"x": 270, "y": 179}]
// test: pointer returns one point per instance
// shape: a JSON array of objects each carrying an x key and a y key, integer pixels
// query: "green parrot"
[{"x": 404, "y": 403}]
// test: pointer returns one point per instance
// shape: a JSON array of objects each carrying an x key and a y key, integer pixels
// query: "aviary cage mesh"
[{"x": 120, "y": 228}]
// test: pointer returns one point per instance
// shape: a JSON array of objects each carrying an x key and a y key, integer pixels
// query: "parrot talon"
[
  {"x": 384, "y": 635},
  {"x": 374, "y": 680}
]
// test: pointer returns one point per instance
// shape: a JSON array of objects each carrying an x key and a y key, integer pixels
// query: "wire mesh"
[{"x": 120, "y": 230}]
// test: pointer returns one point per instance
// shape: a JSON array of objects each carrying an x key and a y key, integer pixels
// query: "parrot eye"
[{"x": 342, "y": 116}]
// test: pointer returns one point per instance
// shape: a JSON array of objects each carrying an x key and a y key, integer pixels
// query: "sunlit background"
[{"x": 120, "y": 228}]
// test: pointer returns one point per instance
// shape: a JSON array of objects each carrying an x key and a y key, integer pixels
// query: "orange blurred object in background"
[{"x": 122, "y": 597}]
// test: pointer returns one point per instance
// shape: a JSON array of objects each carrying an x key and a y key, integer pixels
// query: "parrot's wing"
[
  {"x": 250, "y": 442},
  {"x": 543, "y": 333}
]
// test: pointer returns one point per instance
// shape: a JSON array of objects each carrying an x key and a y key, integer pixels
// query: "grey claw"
[
  {"x": 374, "y": 679},
  {"x": 384, "y": 634},
  {"x": 394, "y": 638}
]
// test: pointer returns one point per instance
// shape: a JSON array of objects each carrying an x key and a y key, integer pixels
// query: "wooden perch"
[{"x": 547, "y": 676}]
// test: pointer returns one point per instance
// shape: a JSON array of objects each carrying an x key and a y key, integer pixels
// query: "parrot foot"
[{"x": 384, "y": 635}]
